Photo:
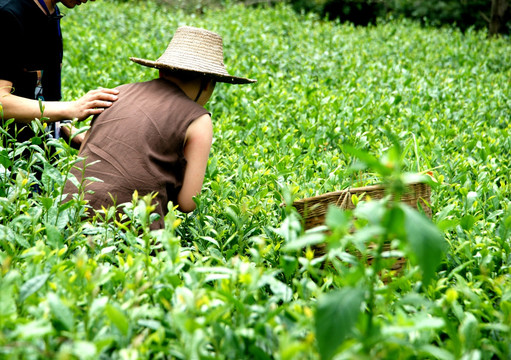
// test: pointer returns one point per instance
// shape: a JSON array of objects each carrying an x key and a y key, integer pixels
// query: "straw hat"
[{"x": 195, "y": 50}]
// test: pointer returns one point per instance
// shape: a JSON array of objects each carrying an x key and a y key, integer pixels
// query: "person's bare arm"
[
  {"x": 25, "y": 110},
  {"x": 199, "y": 137}
]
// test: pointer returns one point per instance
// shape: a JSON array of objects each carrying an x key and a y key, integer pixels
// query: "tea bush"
[{"x": 334, "y": 106}]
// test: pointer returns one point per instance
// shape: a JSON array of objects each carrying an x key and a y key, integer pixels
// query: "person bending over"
[{"x": 157, "y": 136}]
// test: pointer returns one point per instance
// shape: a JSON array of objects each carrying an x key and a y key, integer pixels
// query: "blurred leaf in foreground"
[
  {"x": 336, "y": 315},
  {"x": 426, "y": 242}
]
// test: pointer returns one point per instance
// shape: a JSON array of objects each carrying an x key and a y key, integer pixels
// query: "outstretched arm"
[
  {"x": 25, "y": 110},
  {"x": 199, "y": 137}
]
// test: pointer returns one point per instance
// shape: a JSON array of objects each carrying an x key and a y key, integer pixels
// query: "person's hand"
[{"x": 92, "y": 103}]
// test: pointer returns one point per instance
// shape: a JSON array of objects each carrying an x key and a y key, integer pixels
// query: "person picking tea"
[{"x": 156, "y": 138}]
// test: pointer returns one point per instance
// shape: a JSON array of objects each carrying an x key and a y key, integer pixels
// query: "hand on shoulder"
[{"x": 92, "y": 103}]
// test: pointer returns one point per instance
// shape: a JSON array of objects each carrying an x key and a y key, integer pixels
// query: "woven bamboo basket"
[{"x": 313, "y": 210}]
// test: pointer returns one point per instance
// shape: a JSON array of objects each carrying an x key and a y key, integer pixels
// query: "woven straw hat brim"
[
  {"x": 195, "y": 50},
  {"x": 220, "y": 75}
]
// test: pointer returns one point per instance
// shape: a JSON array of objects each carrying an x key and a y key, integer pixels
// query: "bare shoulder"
[{"x": 200, "y": 129}]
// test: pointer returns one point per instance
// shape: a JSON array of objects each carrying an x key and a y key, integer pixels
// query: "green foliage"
[
  {"x": 336, "y": 315},
  {"x": 334, "y": 106}
]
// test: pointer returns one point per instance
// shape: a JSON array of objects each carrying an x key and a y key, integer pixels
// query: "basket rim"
[{"x": 367, "y": 188}]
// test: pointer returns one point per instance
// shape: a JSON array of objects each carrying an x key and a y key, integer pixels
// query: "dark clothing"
[
  {"x": 30, "y": 52},
  {"x": 139, "y": 142}
]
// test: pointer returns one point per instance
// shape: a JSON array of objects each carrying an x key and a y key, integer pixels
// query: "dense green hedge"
[{"x": 463, "y": 14}]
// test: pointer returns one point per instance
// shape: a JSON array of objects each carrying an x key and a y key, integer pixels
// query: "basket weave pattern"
[{"x": 314, "y": 209}]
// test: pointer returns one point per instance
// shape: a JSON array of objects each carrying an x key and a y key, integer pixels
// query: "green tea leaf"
[
  {"x": 337, "y": 218},
  {"x": 4, "y": 158},
  {"x": 336, "y": 315},
  {"x": 438, "y": 353},
  {"x": 50, "y": 173},
  {"x": 469, "y": 332},
  {"x": 425, "y": 240},
  {"x": 85, "y": 350},
  {"x": 467, "y": 222},
  {"x": 54, "y": 236},
  {"x": 368, "y": 159},
  {"x": 31, "y": 286},
  {"x": 7, "y": 301},
  {"x": 303, "y": 241},
  {"x": 118, "y": 318},
  {"x": 34, "y": 330},
  {"x": 62, "y": 317}
]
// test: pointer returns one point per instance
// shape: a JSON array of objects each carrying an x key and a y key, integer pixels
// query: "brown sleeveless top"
[{"x": 137, "y": 144}]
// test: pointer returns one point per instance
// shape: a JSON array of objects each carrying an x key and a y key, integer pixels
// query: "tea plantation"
[{"x": 335, "y": 106}]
